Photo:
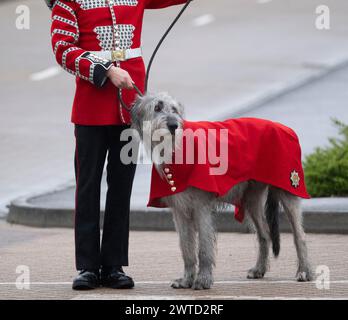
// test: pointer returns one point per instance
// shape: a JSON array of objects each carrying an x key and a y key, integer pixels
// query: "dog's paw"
[
  {"x": 181, "y": 283},
  {"x": 202, "y": 283},
  {"x": 255, "y": 273},
  {"x": 303, "y": 276}
]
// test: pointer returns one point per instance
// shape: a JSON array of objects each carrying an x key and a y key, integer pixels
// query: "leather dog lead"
[{"x": 152, "y": 58}]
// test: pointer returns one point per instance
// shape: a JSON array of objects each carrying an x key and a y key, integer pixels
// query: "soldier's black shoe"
[
  {"x": 87, "y": 280},
  {"x": 115, "y": 278}
]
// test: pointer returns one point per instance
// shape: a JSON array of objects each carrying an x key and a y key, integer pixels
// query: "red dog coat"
[{"x": 259, "y": 150}]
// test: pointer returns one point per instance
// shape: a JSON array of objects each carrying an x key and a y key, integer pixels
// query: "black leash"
[
  {"x": 152, "y": 58},
  {"x": 123, "y": 104}
]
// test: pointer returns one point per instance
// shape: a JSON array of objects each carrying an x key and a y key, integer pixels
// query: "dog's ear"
[
  {"x": 135, "y": 114},
  {"x": 159, "y": 105},
  {"x": 181, "y": 109}
]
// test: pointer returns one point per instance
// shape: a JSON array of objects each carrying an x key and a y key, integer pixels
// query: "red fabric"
[
  {"x": 79, "y": 20},
  {"x": 258, "y": 149}
]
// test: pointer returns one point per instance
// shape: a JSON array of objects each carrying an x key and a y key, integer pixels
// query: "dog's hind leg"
[
  {"x": 186, "y": 229},
  {"x": 292, "y": 208},
  {"x": 254, "y": 202},
  {"x": 207, "y": 245}
]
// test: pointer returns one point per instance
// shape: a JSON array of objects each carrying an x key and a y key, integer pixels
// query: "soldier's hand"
[{"x": 120, "y": 78}]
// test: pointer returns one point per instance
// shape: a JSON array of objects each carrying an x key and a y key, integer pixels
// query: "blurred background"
[{"x": 276, "y": 59}]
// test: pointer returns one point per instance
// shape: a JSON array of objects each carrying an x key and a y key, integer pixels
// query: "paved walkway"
[{"x": 155, "y": 260}]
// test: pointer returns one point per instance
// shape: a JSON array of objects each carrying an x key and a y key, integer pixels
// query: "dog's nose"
[{"x": 172, "y": 126}]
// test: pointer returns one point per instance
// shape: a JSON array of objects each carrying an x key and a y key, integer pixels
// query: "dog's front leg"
[
  {"x": 206, "y": 252},
  {"x": 187, "y": 234}
]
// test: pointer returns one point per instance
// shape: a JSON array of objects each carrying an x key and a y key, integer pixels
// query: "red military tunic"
[
  {"x": 81, "y": 26},
  {"x": 258, "y": 149}
]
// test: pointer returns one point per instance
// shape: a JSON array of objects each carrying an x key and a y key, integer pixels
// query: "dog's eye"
[
  {"x": 159, "y": 106},
  {"x": 175, "y": 110}
]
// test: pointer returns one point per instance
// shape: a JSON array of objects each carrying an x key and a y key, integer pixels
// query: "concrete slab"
[{"x": 155, "y": 260}]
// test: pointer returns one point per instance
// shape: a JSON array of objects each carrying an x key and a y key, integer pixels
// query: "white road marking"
[
  {"x": 263, "y": 1},
  {"x": 188, "y": 296},
  {"x": 203, "y": 20},
  {"x": 215, "y": 282},
  {"x": 45, "y": 74}
]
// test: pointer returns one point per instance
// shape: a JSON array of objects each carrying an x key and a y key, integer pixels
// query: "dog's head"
[
  {"x": 156, "y": 118},
  {"x": 160, "y": 110}
]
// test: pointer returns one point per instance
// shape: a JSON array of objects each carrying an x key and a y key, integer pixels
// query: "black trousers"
[{"x": 93, "y": 145}]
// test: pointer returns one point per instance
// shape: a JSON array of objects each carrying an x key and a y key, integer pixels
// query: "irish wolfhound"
[{"x": 192, "y": 209}]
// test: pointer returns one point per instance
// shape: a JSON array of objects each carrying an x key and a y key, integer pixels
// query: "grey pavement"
[
  {"x": 48, "y": 257},
  {"x": 249, "y": 51},
  {"x": 310, "y": 109}
]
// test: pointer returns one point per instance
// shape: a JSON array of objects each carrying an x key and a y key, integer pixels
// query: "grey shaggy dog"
[{"x": 193, "y": 208}]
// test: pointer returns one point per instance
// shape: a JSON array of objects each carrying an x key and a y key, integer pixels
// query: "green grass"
[{"x": 326, "y": 169}]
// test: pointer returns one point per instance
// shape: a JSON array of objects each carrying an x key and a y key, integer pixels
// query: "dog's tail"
[{"x": 272, "y": 217}]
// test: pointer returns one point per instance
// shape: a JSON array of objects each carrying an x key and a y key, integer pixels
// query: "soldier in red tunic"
[{"x": 99, "y": 42}]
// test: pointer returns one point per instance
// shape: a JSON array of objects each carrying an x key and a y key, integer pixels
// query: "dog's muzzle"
[{"x": 172, "y": 126}]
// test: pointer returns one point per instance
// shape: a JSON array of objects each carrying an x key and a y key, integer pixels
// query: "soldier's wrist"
[{"x": 110, "y": 72}]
